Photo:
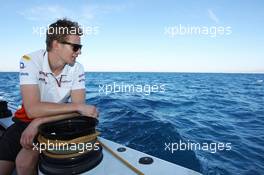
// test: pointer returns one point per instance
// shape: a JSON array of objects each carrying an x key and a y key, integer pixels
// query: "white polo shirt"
[{"x": 35, "y": 69}]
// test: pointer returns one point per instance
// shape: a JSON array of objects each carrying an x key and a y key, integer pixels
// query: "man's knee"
[{"x": 26, "y": 161}]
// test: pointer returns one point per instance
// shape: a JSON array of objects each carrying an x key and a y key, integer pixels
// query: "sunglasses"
[{"x": 75, "y": 47}]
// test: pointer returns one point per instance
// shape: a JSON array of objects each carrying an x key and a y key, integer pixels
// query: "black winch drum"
[{"x": 69, "y": 129}]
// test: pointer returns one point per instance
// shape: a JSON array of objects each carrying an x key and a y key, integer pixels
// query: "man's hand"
[
  {"x": 88, "y": 110},
  {"x": 29, "y": 133}
]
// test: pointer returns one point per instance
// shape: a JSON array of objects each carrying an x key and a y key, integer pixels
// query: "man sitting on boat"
[{"x": 49, "y": 80}]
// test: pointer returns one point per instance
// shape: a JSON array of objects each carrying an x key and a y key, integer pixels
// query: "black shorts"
[{"x": 10, "y": 141}]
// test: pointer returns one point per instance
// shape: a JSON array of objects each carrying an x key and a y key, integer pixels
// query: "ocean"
[{"x": 212, "y": 123}]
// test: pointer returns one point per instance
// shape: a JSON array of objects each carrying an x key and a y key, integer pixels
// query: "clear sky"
[{"x": 144, "y": 35}]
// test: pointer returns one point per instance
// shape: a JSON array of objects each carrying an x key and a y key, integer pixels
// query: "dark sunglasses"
[{"x": 75, "y": 47}]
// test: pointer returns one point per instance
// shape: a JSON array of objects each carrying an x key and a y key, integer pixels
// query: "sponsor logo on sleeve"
[
  {"x": 81, "y": 75},
  {"x": 24, "y": 74},
  {"x": 81, "y": 80},
  {"x": 21, "y": 65},
  {"x": 27, "y": 58}
]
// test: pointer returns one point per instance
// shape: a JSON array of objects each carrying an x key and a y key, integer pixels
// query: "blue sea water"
[{"x": 192, "y": 108}]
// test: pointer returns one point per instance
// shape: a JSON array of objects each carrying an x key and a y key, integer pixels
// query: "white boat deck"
[{"x": 110, "y": 165}]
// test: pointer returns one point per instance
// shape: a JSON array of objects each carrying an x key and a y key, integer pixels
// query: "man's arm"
[
  {"x": 37, "y": 109},
  {"x": 78, "y": 96}
]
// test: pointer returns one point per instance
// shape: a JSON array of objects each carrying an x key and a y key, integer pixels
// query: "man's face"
[{"x": 69, "y": 51}]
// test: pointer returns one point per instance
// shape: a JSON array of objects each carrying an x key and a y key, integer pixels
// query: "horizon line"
[{"x": 158, "y": 72}]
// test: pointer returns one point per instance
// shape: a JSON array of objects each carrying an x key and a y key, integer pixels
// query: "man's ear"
[{"x": 55, "y": 44}]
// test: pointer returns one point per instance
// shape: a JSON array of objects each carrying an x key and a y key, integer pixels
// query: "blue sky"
[{"x": 144, "y": 35}]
